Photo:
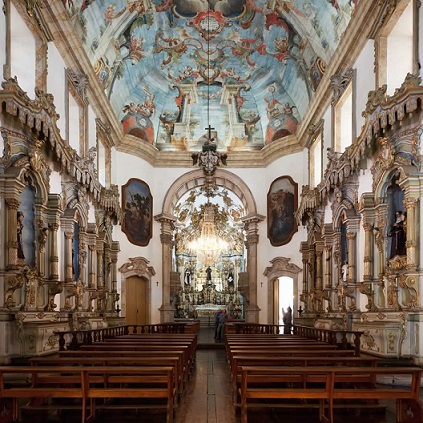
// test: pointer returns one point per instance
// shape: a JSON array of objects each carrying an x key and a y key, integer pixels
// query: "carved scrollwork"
[
  {"x": 410, "y": 296},
  {"x": 13, "y": 283},
  {"x": 54, "y": 288},
  {"x": 369, "y": 342}
]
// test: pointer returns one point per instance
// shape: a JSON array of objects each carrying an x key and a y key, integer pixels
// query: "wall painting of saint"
[
  {"x": 282, "y": 203},
  {"x": 137, "y": 204}
]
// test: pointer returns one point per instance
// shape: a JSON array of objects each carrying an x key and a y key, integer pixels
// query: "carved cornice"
[
  {"x": 110, "y": 201},
  {"x": 138, "y": 266},
  {"x": 381, "y": 112},
  {"x": 40, "y": 114},
  {"x": 310, "y": 199},
  {"x": 280, "y": 265}
]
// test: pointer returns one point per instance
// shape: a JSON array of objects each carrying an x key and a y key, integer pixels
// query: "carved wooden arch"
[
  {"x": 405, "y": 180},
  {"x": 196, "y": 178},
  {"x": 281, "y": 266},
  {"x": 40, "y": 184},
  {"x": 137, "y": 266}
]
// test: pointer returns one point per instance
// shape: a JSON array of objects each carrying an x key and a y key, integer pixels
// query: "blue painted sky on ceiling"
[{"x": 172, "y": 67}]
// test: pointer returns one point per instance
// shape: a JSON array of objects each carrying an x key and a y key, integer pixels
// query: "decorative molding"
[
  {"x": 138, "y": 266},
  {"x": 339, "y": 83},
  {"x": 80, "y": 83}
]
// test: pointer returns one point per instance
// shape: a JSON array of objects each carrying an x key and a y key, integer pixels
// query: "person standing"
[
  {"x": 216, "y": 322},
  {"x": 221, "y": 328}
]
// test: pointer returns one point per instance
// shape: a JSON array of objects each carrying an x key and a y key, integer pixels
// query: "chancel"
[{"x": 167, "y": 163}]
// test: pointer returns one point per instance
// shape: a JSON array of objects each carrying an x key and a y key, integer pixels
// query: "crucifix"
[{"x": 209, "y": 129}]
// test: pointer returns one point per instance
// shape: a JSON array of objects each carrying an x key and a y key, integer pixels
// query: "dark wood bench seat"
[
  {"x": 283, "y": 386},
  {"x": 149, "y": 361},
  {"x": 106, "y": 348},
  {"x": 239, "y": 361},
  {"x": 89, "y": 384}
]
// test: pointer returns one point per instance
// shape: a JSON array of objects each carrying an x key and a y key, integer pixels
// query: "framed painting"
[
  {"x": 137, "y": 205},
  {"x": 282, "y": 202}
]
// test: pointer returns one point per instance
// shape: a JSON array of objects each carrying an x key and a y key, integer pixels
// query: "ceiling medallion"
[{"x": 209, "y": 24}]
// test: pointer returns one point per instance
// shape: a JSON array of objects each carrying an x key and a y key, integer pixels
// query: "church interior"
[{"x": 162, "y": 160}]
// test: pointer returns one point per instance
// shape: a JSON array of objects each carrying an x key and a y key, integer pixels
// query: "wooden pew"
[
  {"x": 89, "y": 384},
  {"x": 239, "y": 361},
  {"x": 261, "y": 384},
  {"x": 106, "y": 360},
  {"x": 106, "y": 348}
]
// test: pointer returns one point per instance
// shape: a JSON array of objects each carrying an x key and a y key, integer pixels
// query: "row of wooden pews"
[
  {"x": 136, "y": 371},
  {"x": 291, "y": 371}
]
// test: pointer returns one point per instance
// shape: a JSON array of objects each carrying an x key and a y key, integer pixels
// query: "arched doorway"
[
  {"x": 136, "y": 290},
  {"x": 283, "y": 297},
  {"x": 281, "y": 276}
]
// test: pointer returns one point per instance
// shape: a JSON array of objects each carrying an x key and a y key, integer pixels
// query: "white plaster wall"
[
  {"x": 294, "y": 166},
  {"x": 55, "y": 182},
  {"x": 400, "y": 40},
  {"x": 364, "y": 82},
  {"x": 327, "y": 135},
  {"x": 56, "y": 83},
  {"x": 92, "y": 135},
  {"x": 22, "y": 61}
]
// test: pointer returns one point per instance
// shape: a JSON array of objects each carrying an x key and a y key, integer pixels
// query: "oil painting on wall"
[
  {"x": 137, "y": 203},
  {"x": 282, "y": 202}
]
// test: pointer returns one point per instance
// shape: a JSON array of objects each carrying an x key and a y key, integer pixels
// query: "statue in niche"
[
  {"x": 20, "y": 226},
  {"x": 230, "y": 280},
  {"x": 208, "y": 275},
  {"x": 187, "y": 277},
  {"x": 398, "y": 235}
]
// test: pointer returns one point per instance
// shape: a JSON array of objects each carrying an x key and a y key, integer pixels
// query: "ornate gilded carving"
[
  {"x": 339, "y": 83},
  {"x": 384, "y": 160},
  {"x": 13, "y": 283},
  {"x": 369, "y": 342},
  {"x": 80, "y": 82},
  {"x": 54, "y": 288},
  {"x": 374, "y": 99},
  {"x": 410, "y": 296},
  {"x": 367, "y": 290}
]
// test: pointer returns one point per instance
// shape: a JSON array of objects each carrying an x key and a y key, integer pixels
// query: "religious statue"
[
  {"x": 344, "y": 271},
  {"x": 208, "y": 274},
  {"x": 20, "y": 226},
  {"x": 187, "y": 277},
  {"x": 230, "y": 280},
  {"x": 398, "y": 235}
]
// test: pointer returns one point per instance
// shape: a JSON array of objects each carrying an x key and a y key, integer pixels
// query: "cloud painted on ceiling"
[{"x": 172, "y": 67}]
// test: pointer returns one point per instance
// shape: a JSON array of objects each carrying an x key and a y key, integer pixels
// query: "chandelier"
[{"x": 208, "y": 247}]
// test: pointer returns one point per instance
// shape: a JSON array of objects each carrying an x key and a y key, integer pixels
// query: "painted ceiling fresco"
[{"x": 247, "y": 68}]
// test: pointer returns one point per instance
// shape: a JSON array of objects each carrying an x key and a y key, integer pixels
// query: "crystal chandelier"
[{"x": 208, "y": 246}]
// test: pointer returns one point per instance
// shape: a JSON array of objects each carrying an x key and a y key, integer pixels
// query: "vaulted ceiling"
[{"x": 249, "y": 68}]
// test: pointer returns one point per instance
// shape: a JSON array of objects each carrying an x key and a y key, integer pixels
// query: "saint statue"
[{"x": 398, "y": 235}]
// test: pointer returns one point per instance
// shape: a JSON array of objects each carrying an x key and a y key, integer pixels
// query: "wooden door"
[{"x": 136, "y": 301}]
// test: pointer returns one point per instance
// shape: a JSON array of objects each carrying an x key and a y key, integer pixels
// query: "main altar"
[{"x": 195, "y": 302}]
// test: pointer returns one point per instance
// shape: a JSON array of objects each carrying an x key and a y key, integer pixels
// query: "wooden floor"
[{"x": 208, "y": 399}]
